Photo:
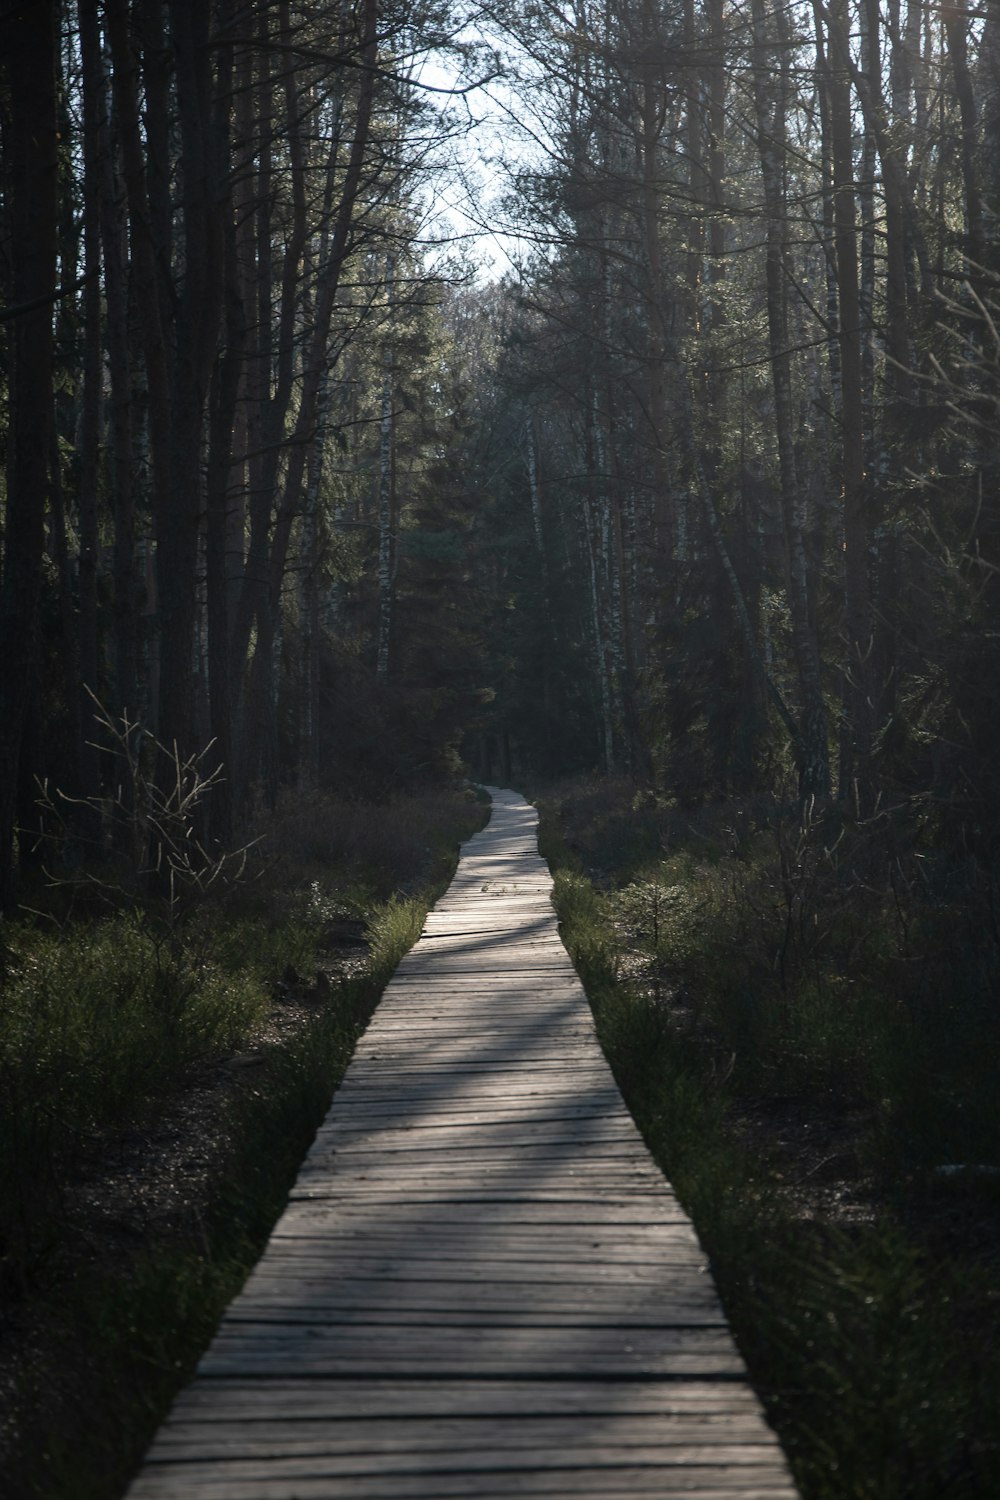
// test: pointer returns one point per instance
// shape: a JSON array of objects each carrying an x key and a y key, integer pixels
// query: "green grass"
[
  {"x": 99, "y": 1026},
  {"x": 873, "y": 1346}
]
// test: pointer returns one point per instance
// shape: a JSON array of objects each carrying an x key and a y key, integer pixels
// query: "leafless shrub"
[{"x": 141, "y": 841}]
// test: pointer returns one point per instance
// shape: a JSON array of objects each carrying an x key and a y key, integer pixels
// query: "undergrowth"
[
  {"x": 146, "y": 1329},
  {"x": 736, "y": 964},
  {"x": 104, "y": 1022}
]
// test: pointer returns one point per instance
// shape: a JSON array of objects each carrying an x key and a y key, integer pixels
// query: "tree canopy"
[{"x": 703, "y": 492}]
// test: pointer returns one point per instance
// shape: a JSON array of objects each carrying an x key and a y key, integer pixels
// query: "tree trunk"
[
  {"x": 94, "y": 144},
  {"x": 855, "y": 778},
  {"x": 651, "y": 128},
  {"x": 178, "y": 517},
  {"x": 31, "y": 187},
  {"x": 956, "y": 23},
  {"x": 770, "y": 96},
  {"x": 386, "y": 481},
  {"x": 124, "y": 692},
  {"x": 145, "y": 278},
  {"x": 226, "y": 381},
  {"x": 989, "y": 64},
  {"x": 607, "y": 730},
  {"x": 265, "y": 575}
]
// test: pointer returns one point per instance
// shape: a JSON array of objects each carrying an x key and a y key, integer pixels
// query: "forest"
[
  {"x": 702, "y": 494},
  {"x": 631, "y": 438}
]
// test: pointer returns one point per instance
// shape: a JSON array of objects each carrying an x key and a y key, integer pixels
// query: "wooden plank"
[
  {"x": 320, "y": 1482},
  {"x": 314, "y": 1259},
  {"x": 510, "y": 1125},
  {"x": 577, "y": 1235},
  {"x": 406, "y": 1111},
  {"x": 507, "y": 1208},
  {"x": 419, "y": 1399},
  {"x": 492, "y": 1454},
  {"x": 716, "y": 1439},
  {"x": 524, "y": 1263},
  {"x": 481, "y": 1285},
  {"x": 448, "y": 1448},
  {"x": 492, "y": 1310},
  {"x": 518, "y": 1224},
  {"x": 559, "y": 1189},
  {"x": 358, "y": 1361}
]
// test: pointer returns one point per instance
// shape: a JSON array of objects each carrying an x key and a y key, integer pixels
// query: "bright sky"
[{"x": 463, "y": 197}]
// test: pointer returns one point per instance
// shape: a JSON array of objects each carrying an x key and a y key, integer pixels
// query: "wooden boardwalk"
[{"x": 482, "y": 1285}]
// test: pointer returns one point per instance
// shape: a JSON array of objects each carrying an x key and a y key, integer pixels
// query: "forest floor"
[
  {"x": 810, "y": 1054},
  {"x": 817, "y": 1143},
  {"x": 817, "y": 1147},
  {"x": 158, "y": 1185}
]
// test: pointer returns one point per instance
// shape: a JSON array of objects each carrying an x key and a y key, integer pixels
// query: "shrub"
[{"x": 97, "y": 1025}]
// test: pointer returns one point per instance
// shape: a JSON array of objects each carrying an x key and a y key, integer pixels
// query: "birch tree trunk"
[
  {"x": 607, "y": 728},
  {"x": 956, "y": 23},
  {"x": 652, "y": 120},
  {"x": 386, "y": 480},
  {"x": 832, "y": 306},
  {"x": 535, "y": 495},
  {"x": 989, "y": 64}
]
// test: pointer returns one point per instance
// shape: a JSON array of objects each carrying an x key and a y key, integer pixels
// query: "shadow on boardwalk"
[{"x": 482, "y": 1285}]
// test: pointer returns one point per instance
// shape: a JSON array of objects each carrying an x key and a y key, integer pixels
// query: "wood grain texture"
[{"x": 481, "y": 1286}]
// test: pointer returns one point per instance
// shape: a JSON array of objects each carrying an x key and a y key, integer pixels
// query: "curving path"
[{"x": 482, "y": 1285}]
